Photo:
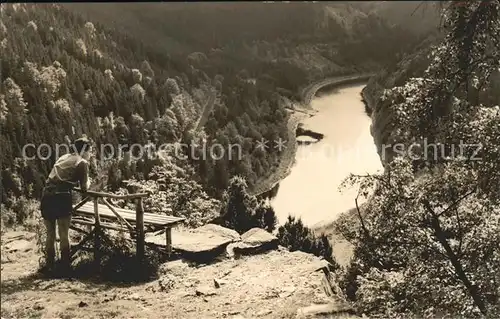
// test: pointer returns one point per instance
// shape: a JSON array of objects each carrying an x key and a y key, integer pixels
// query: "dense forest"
[{"x": 147, "y": 73}]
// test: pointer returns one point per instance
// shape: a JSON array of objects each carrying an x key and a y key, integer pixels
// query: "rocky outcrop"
[
  {"x": 414, "y": 65},
  {"x": 257, "y": 237},
  {"x": 201, "y": 244},
  {"x": 254, "y": 241},
  {"x": 272, "y": 285},
  {"x": 204, "y": 242},
  {"x": 209, "y": 242},
  {"x": 301, "y": 131},
  {"x": 382, "y": 114},
  {"x": 306, "y": 140},
  {"x": 278, "y": 284}
]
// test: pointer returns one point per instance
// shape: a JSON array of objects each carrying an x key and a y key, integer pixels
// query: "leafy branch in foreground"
[
  {"x": 431, "y": 239},
  {"x": 425, "y": 230}
]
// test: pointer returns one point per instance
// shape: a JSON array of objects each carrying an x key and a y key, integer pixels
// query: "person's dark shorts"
[{"x": 56, "y": 204}]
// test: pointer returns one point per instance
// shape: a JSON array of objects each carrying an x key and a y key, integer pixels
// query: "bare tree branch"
[
  {"x": 363, "y": 226},
  {"x": 452, "y": 257},
  {"x": 455, "y": 203}
]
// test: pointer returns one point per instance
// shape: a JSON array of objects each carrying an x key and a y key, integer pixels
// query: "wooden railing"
[{"x": 109, "y": 195}]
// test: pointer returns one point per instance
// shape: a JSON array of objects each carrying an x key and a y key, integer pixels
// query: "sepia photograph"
[{"x": 241, "y": 160}]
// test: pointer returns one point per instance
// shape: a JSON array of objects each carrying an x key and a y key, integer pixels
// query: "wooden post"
[
  {"x": 168, "y": 232},
  {"x": 97, "y": 235},
  {"x": 139, "y": 224}
]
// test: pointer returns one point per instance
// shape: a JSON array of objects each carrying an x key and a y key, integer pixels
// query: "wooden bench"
[{"x": 105, "y": 215}]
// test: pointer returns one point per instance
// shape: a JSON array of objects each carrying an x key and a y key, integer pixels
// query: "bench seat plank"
[{"x": 129, "y": 215}]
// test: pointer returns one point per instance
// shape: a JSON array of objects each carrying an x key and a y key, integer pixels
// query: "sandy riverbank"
[{"x": 287, "y": 158}]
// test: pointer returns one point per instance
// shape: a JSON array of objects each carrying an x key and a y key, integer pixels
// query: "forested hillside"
[
  {"x": 418, "y": 17},
  {"x": 60, "y": 68},
  {"x": 146, "y": 73},
  {"x": 273, "y": 38}
]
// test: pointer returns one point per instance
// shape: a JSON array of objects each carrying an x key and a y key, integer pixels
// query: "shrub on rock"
[
  {"x": 295, "y": 236},
  {"x": 242, "y": 211}
]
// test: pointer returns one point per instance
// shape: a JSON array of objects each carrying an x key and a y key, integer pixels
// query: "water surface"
[{"x": 311, "y": 190}]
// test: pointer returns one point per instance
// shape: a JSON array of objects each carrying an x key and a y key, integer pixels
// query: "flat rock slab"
[
  {"x": 258, "y": 237},
  {"x": 200, "y": 244},
  {"x": 201, "y": 239},
  {"x": 204, "y": 239},
  {"x": 254, "y": 241},
  {"x": 20, "y": 245},
  {"x": 17, "y": 235}
]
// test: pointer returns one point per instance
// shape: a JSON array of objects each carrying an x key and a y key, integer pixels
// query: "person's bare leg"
[
  {"x": 63, "y": 228},
  {"x": 50, "y": 251}
]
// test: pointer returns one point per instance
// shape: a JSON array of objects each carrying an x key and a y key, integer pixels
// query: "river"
[{"x": 310, "y": 191}]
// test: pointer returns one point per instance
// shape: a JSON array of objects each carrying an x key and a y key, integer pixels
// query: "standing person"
[{"x": 56, "y": 204}]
